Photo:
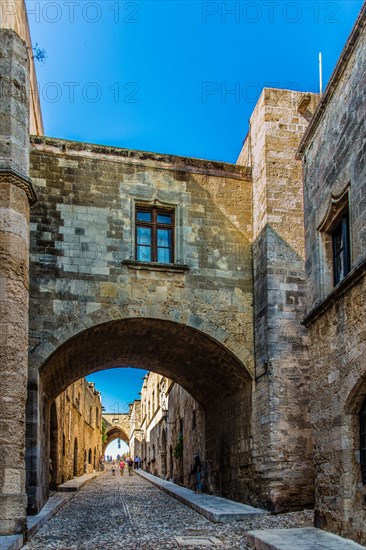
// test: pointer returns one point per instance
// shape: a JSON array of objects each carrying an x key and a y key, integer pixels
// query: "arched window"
[
  {"x": 90, "y": 456},
  {"x": 363, "y": 440}
]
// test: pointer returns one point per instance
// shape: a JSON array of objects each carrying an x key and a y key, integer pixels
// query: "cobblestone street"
[{"x": 130, "y": 513}]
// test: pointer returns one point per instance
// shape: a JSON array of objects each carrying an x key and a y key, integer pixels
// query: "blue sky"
[
  {"x": 157, "y": 76},
  {"x": 119, "y": 387}
]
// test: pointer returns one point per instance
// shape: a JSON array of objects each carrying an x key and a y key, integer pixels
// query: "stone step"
[
  {"x": 77, "y": 483},
  {"x": 304, "y": 538},
  {"x": 11, "y": 542},
  {"x": 216, "y": 509}
]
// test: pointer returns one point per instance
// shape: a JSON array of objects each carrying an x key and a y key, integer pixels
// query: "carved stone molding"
[
  {"x": 10, "y": 176},
  {"x": 336, "y": 204}
]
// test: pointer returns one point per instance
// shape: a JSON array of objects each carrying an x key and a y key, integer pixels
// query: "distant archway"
[{"x": 113, "y": 434}]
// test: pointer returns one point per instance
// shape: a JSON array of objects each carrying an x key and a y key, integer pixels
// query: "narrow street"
[{"x": 131, "y": 513}]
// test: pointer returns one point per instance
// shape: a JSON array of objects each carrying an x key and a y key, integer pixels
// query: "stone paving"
[{"x": 131, "y": 513}]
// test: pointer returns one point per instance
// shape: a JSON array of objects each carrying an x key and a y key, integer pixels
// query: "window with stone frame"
[
  {"x": 341, "y": 248},
  {"x": 334, "y": 232},
  {"x": 154, "y": 237},
  {"x": 363, "y": 441}
]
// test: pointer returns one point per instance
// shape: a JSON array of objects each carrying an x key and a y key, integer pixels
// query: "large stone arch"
[
  {"x": 203, "y": 366},
  {"x": 200, "y": 364},
  {"x": 77, "y": 325}
]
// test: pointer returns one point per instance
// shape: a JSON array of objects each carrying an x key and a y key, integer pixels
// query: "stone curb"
[
  {"x": 52, "y": 506},
  {"x": 213, "y": 508},
  {"x": 304, "y": 538}
]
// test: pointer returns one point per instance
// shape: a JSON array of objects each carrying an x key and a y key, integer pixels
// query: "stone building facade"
[
  {"x": 75, "y": 432},
  {"x": 195, "y": 271},
  {"x": 333, "y": 152},
  {"x": 171, "y": 430}
]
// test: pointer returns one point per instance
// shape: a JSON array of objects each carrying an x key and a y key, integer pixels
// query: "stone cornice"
[
  {"x": 337, "y": 293},
  {"x": 160, "y": 161},
  {"x": 333, "y": 82},
  {"x": 9, "y": 175}
]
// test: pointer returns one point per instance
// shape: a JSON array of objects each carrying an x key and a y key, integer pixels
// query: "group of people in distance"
[
  {"x": 123, "y": 463},
  {"x": 130, "y": 464}
]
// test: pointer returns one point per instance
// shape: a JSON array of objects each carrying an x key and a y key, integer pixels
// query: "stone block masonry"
[{"x": 281, "y": 433}]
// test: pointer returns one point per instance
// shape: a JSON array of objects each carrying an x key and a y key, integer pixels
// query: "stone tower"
[{"x": 282, "y": 440}]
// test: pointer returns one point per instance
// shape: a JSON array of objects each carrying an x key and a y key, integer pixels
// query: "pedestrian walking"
[
  {"x": 137, "y": 462},
  {"x": 122, "y": 467},
  {"x": 113, "y": 469},
  {"x": 130, "y": 466},
  {"x": 197, "y": 472}
]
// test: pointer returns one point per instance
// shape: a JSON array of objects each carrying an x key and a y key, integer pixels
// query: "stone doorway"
[
  {"x": 75, "y": 457},
  {"x": 54, "y": 447}
]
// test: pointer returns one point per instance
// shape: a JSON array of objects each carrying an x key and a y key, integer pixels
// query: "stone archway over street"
[{"x": 208, "y": 371}]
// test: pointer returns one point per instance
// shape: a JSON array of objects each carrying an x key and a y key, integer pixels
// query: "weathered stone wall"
[
  {"x": 75, "y": 415},
  {"x": 281, "y": 444},
  {"x": 334, "y": 164}
]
